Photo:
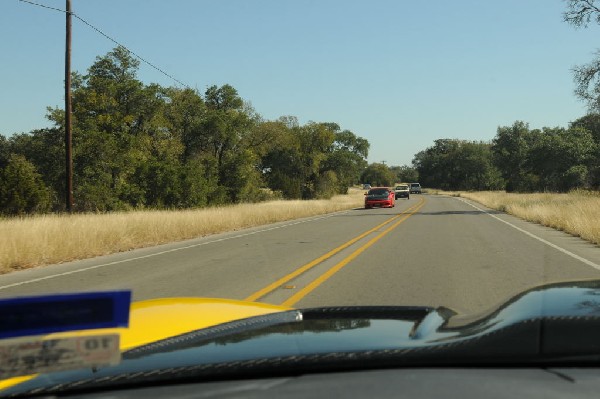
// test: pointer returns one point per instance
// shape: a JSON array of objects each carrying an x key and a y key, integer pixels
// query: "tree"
[
  {"x": 21, "y": 188},
  {"x": 378, "y": 174},
  {"x": 405, "y": 174},
  {"x": 316, "y": 160},
  {"x": 476, "y": 167},
  {"x": 128, "y": 146},
  {"x": 4, "y": 151},
  {"x": 315, "y": 141},
  {"x": 281, "y": 163},
  {"x": 510, "y": 149},
  {"x": 224, "y": 122},
  {"x": 282, "y": 171},
  {"x": 580, "y": 13},
  {"x": 228, "y": 134},
  {"x": 560, "y": 158},
  {"x": 452, "y": 164},
  {"x": 138, "y": 145},
  {"x": 436, "y": 165},
  {"x": 296, "y": 163},
  {"x": 185, "y": 112},
  {"x": 346, "y": 159},
  {"x": 45, "y": 149},
  {"x": 113, "y": 114},
  {"x": 591, "y": 123},
  {"x": 587, "y": 82}
]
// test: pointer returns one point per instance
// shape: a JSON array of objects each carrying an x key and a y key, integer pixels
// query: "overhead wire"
[
  {"x": 43, "y": 6},
  {"x": 98, "y": 30}
]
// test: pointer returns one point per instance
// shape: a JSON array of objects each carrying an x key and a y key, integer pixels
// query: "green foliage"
[
  {"x": 147, "y": 146},
  {"x": 405, "y": 174},
  {"x": 346, "y": 159},
  {"x": 540, "y": 160},
  {"x": 240, "y": 177},
  {"x": 282, "y": 171},
  {"x": 327, "y": 185},
  {"x": 314, "y": 141},
  {"x": 560, "y": 158},
  {"x": 44, "y": 148},
  {"x": 4, "y": 151},
  {"x": 591, "y": 123},
  {"x": 378, "y": 174},
  {"x": 184, "y": 114},
  {"x": 22, "y": 190},
  {"x": 316, "y": 160},
  {"x": 574, "y": 177},
  {"x": 452, "y": 164},
  {"x": 519, "y": 159},
  {"x": 510, "y": 148}
]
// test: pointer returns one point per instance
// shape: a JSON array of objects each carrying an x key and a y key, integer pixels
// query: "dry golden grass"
[
  {"x": 576, "y": 213},
  {"x": 47, "y": 239}
]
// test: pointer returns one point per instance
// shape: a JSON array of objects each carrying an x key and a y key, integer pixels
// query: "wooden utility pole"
[{"x": 68, "y": 133}]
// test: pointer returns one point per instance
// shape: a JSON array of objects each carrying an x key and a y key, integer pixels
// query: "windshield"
[
  {"x": 223, "y": 149},
  {"x": 378, "y": 191}
]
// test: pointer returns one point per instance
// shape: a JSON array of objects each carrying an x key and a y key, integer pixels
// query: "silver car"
[{"x": 415, "y": 188}]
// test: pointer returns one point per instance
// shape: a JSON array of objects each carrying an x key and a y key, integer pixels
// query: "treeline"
[
  {"x": 148, "y": 146},
  {"x": 517, "y": 159},
  {"x": 523, "y": 159},
  {"x": 379, "y": 174}
]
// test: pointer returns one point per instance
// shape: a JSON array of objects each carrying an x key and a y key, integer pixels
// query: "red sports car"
[{"x": 380, "y": 196}]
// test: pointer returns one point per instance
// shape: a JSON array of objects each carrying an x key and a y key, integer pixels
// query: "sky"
[{"x": 400, "y": 73}]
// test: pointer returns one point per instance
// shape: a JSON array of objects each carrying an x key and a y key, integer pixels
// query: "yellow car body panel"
[{"x": 155, "y": 319}]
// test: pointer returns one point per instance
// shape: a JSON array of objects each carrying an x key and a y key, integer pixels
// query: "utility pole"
[{"x": 68, "y": 133}]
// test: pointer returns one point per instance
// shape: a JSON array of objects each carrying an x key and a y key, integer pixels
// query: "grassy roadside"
[
  {"x": 576, "y": 213},
  {"x": 47, "y": 239}
]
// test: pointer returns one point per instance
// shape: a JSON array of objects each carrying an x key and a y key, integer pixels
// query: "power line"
[
  {"x": 130, "y": 51},
  {"x": 43, "y": 6},
  {"x": 111, "y": 39}
]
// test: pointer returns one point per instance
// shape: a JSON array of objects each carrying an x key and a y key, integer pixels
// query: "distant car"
[
  {"x": 415, "y": 188},
  {"x": 366, "y": 186},
  {"x": 402, "y": 191},
  {"x": 381, "y": 197}
]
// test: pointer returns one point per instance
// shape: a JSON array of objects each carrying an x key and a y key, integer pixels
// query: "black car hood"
[{"x": 544, "y": 325}]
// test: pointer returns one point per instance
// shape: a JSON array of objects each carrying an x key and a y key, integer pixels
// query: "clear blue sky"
[{"x": 400, "y": 73}]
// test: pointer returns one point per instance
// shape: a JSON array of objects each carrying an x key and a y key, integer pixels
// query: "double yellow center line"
[{"x": 318, "y": 281}]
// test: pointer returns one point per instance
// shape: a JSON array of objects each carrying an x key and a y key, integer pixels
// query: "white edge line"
[
  {"x": 35, "y": 280},
  {"x": 564, "y": 251}
]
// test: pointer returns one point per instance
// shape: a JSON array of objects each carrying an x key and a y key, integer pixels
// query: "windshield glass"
[
  {"x": 378, "y": 191},
  {"x": 222, "y": 150}
]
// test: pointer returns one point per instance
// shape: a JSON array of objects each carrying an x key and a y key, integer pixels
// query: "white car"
[{"x": 402, "y": 191}]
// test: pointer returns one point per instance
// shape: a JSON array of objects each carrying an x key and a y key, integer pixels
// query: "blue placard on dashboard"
[{"x": 38, "y": 315}]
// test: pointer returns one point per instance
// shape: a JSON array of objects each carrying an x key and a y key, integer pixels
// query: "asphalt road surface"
[{"x": 429, "y": 250}]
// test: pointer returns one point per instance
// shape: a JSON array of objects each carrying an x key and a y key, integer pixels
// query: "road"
[{"x": 429, "y": 250}]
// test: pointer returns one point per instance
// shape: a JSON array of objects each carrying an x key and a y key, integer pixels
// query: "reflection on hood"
[{"x": 545, "y": 324}]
